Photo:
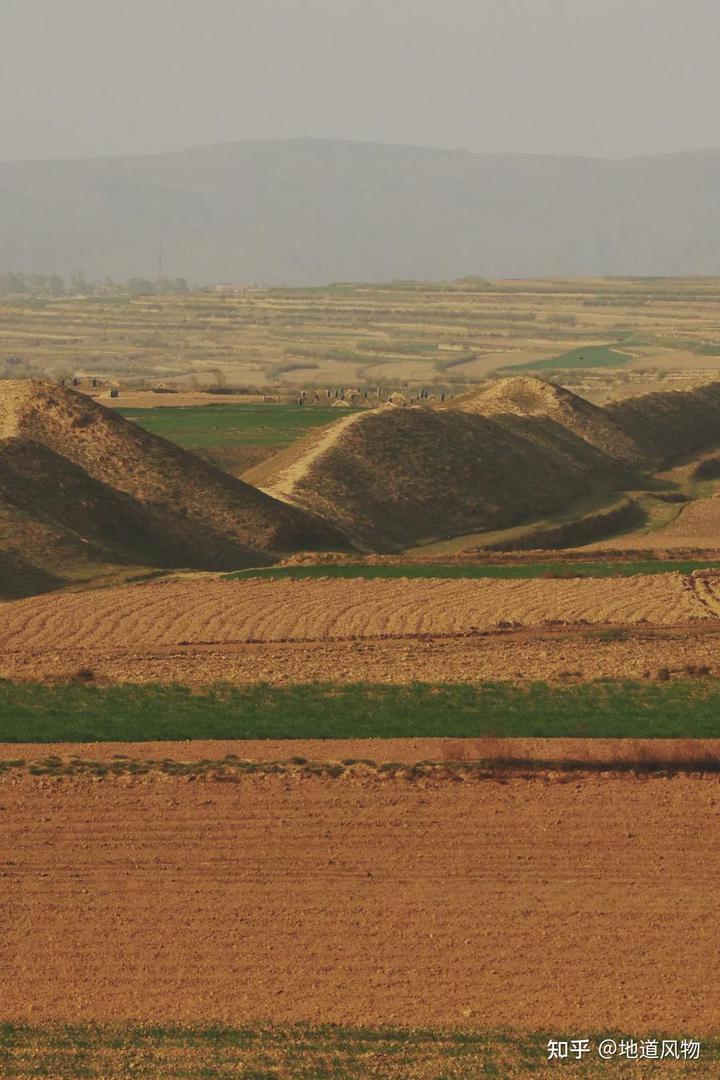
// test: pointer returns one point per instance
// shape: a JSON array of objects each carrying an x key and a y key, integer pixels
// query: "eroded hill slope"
[
  {"x": 396, "y": 476},
  {"x": 512, "y": 452},
  {"x": 80, "y": 487},
  {"x": 668, "y": 425},
  {"x": 526, "y": 395}
]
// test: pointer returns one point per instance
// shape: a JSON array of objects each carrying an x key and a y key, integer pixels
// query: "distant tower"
[{"x": 160, "y": 268}]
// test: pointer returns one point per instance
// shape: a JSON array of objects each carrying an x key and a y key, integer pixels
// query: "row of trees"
[{"x": 53, "y": 285}]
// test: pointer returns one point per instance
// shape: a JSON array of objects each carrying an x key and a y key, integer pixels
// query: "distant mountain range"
[{"x": 312, "y": 211}]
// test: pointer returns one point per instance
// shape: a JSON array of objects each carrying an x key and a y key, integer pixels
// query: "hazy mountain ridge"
[{"x": 311, "y": 211}]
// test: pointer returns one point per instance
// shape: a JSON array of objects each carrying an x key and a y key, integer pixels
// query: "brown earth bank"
[
  {"x": 552, "y": 655},
  {"x": 483, "y": 557},
  {"x": 528, "y": 904},
  {"x": 407, "y": 751}
]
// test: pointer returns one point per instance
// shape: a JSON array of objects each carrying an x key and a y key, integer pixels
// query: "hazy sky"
[{"x": 599, "y": 77}]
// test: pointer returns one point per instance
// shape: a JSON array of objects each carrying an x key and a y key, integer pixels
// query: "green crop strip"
[{"x": 74, "y": 712}]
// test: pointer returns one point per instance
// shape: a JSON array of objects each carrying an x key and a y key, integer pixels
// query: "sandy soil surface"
[
  {"x": 529, "y": 904},
  {"x": 216, "y": 611},
  {"x": 556, "y": 656}
]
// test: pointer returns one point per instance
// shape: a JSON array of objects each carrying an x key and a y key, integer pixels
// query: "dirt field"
[
  {"x": 405, "y": 751},
  {"x": 511, "y": 656},
  {"x": 393, "y": 631},
  {"x": 534, "y": 904},
  {"x": 216, "y": 611}
]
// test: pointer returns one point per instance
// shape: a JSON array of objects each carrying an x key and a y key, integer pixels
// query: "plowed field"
[
  {"x": 529, "y": 904},
  {"x": 696, "y": 526},
  {"x": 215, "y": 611},
  {"x": 516, "y": 657}
]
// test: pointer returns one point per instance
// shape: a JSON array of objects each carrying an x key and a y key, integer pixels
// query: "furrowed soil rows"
[
  {"x": 220, "y": 611},
  {"x": 509, "y": 656},
  {"x": 528, "y": 904}
]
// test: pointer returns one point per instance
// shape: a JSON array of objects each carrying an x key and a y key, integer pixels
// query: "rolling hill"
[
  {"x": 81, "y": 489},
  {"x": 528, "y": 396},
  {"x": 396, "y": 476},
  {"x": 516, "y": 451},
  {"x": 310, "y": 211},
  {"x": 667, "y": 425}
]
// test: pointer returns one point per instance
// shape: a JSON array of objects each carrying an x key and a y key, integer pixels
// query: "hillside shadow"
[{"x": 20, "y": 578}]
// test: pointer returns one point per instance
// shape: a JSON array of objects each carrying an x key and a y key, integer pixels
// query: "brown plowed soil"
[
  {"x": 574, "y": 654},
  {"x": 589, "y": 904},
  {"x": 202, "y": 630},
  {"x": 218, "y": 611}
]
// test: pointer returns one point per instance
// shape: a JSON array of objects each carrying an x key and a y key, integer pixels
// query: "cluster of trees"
[{"x": 49, "y": 285}]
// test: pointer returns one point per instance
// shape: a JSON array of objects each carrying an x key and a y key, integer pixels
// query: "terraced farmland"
[{"x": 404, "y": 334}]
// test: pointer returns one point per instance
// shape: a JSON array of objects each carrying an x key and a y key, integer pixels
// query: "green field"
[
  {"x": 326, "y": 1052},
  {"x": 591, "y": 356},
  {"x": 211, "y": 426},
  {"x": 518, "y": 571},
  {"x": 75, "y": 712}
]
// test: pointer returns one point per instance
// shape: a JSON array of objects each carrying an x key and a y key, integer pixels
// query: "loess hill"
[
  {"x": 531, "y": 396},
  {"x": 497, "y": 457},
  {"x": 666, "y": 426},
  {"x": 84, "y": 491},
  {"x": 81, "y": 489},
  {"x": 395, "y": 476}
]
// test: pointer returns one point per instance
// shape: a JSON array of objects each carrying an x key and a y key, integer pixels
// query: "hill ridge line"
[
  {"x": 13, "y": 394},
  {"x": 288, "y": 479}
]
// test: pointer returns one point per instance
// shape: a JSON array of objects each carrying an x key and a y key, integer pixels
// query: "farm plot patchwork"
[{"x": 426, "y": 334}]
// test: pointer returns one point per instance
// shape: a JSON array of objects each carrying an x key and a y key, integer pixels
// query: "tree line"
[{"x": 53, "y": 285}]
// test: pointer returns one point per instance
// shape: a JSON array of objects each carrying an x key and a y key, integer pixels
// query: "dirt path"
[
  {"x": 11, "y": 395},
  {"x": 527, "y": 904},
  {"x": 405, "y": 751},
  {"x": 284, "y": 484}
]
